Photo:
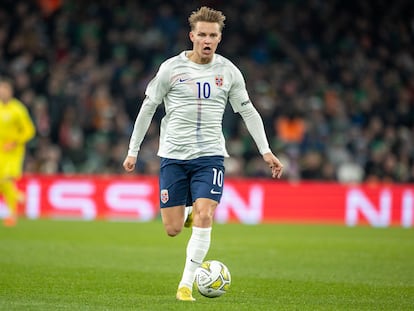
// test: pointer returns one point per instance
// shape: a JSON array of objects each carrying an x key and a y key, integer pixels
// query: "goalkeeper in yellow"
[{"x": 16, "y": 129}]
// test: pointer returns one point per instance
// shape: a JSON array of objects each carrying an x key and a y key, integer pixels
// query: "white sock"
[
  {"x": 187, "y": 211},
  {"x": 197, "y": 249}
]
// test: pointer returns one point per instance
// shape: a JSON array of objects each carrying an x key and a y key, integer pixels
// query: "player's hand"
[
  {"x": 129, "y": 163},
  {"x": 275, "y": 165}
]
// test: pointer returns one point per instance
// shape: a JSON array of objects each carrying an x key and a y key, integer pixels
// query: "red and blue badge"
[
  {"x": 219, "y": 80},
  {"x": 164, "y": 196}
]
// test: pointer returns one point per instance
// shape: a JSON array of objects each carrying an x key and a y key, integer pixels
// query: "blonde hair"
[{"x": 206, "y": 14}]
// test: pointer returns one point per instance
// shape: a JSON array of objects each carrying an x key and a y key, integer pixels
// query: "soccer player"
[
  {"x": 195, "y": 87},
  {"x": 16, "y": 129}
]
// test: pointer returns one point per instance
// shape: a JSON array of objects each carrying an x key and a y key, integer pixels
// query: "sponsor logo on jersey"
[
  {"x": 219, "y": 80},
  {"x": 164, "y": 196}
]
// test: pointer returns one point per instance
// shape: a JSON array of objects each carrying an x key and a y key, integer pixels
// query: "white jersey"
[{"x": 195, "y": 97}]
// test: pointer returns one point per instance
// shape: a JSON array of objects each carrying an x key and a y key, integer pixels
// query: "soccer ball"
[{"x": 212, "y": 278}]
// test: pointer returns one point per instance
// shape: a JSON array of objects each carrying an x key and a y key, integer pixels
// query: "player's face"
[
  {"x": 205, "y": 37},
  {"x": 5, "y": 92}
]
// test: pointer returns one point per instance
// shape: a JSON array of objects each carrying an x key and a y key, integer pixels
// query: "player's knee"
[
  {"x": 172, "y": 231},
  {"x": 205, "y": 215},
  {"x": 204, "y": 218}
]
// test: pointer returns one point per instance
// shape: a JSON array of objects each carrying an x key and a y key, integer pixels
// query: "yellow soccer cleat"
[
  {"x": 184, "y": 294},
  {"x": 189, "y": 221}
]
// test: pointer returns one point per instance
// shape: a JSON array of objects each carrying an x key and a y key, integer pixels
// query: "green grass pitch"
[{"x": 73, "y": 265}]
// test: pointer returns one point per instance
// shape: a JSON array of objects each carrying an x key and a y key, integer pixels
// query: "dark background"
[{"x": 333, "y": 81}]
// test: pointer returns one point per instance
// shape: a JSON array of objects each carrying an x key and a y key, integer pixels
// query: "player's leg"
[
  {"x": 188, "y": 212},
  {"x": 188, "y": 215},
  {"x": 173, "y": 195},
  {"x": 199, "y": 242},
  {"x": 203, "y": 212},
  {"x": 11, "y": 197},
  {"x": 173, "y": 219},
  {"x": 174, "y": 186},
  {"x": 10, "y": 170},
  {"x": 207, "y": 186}
]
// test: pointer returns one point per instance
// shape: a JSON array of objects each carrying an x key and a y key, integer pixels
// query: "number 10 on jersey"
[{"x": 204, "y": 90}]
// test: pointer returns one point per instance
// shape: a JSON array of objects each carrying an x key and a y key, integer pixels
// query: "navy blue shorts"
[{"x": 184, "y": 181}]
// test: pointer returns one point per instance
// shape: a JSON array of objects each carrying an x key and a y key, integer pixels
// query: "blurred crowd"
[{"x": 333, "y": 81}]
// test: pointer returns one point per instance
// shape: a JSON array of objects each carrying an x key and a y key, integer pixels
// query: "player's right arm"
[
  {"x": 129, "y": 163},
  {"x": 141, "y": 126},
  {"x": 154, "y": 94}
]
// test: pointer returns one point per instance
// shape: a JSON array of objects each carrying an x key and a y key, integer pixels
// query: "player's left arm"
[
  {"x": 25, "y": 132},
  {"x": 239, "y": 99},
  {"x": 254, "y": 124},
  {"x": 27, "y": 128}
]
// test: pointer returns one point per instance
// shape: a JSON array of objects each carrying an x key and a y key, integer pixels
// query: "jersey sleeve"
[
  {"x": 254, "y": 124},
  {"x": 156, "y": 90},
  {"x": 241, "y": 103},
  {"x": 238, "y": 95},
  {"x": 26, "y": 129},
  {"x": 159, "y": 86},
  {"x": 141, "y": 126}
]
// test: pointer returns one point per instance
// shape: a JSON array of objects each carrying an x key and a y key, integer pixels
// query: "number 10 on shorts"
[{"x": 218, "y": 177}]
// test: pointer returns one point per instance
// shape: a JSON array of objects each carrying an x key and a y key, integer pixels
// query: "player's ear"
[{"x": 191, "y": 35}]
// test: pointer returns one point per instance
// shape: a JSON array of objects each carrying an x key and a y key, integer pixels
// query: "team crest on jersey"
[
  {"x": 219, "y": 80},
  {"x": 164, "y": 196}
]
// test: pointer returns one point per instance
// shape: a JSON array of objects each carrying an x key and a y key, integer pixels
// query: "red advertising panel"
[{"x": 249, "y": 201}]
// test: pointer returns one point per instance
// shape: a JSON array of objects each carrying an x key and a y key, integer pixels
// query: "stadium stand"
[{"x": 334, "y": 81}]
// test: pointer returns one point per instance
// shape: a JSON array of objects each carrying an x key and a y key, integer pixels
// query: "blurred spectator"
[
  {"x": 290, "y": 128},
  {"x": 333, "y": 79},
  {"x": 72, "y": 140}
]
